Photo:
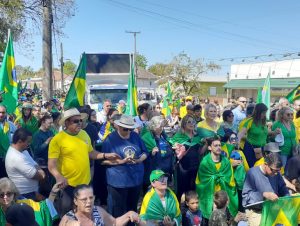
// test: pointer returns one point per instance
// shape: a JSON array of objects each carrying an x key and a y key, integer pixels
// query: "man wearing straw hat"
[{"x": 69, "y": 154}]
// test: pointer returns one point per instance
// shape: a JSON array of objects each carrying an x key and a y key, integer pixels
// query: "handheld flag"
[
  {"x": 259, "y": 97},
  {"x": 19, "y": 86},
  {"x": 167, "y": 101},
  {"x": 265, "y": 95},
  {"x": 294, "y": 94},
  {"x": 75, "y": 96},
  {"x": 132, "y": 100},
  {"x": 8, "y": 78},
  {"x": 284, "y": 211},
  {"x": 35, "y": 88}
]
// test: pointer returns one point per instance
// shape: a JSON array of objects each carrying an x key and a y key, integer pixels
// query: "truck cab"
[{"x": 107, "y": 78}]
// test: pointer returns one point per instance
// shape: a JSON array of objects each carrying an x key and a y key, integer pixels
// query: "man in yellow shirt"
[
  {"x": 69, "y": 154},
  {"x": 183, "y": 110}
]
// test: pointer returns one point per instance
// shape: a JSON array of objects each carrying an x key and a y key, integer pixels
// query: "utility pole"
[
  {"x": 62, "y": 66},
  {"x": 47, "y": 50},
  {"x": 134, "y": 53}
]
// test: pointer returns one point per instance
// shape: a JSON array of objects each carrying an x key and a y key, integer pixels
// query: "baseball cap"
[
  {"x": 20, "y": 214},
  {"x": 156, "y": 174}
]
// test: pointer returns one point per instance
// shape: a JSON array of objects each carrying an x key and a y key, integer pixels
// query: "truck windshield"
[{"x": 98, "y": 96}]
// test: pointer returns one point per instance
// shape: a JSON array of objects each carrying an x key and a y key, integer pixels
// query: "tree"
[
  {"x": 160, "y": 69},
  {"x": 141, "y": 61},
  {"x": 24, "y": 17},
  {"x": 69, "y": 68},
  {"x": 24, "y": 72},
  {"x": 184, "y": 73}
]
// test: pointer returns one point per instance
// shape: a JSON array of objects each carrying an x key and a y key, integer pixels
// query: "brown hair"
[{"x": 220, "y": 199}]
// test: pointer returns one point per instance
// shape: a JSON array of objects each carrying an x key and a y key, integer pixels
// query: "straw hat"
[
  {"x": 126, "y": 121},
  {"x": 70, "y": 113}
]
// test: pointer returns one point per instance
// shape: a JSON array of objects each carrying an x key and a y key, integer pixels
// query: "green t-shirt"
[
  {"x": 256, "y": 134},
  {"x": 289, "y": 137}
]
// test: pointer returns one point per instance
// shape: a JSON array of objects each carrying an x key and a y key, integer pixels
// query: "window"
[{"x": 213, "y": 91}]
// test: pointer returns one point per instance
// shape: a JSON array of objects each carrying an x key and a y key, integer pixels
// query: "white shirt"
[
  {"x": 21, "y": 168},
  {"x": 102, "y": 116}
]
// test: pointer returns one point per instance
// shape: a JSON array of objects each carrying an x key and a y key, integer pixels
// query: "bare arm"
[
  {"x": 103, "y": 156},
  {"x": 52, "y": 166},
  {"x": 242, "y": 134},
  {"x": 39, "y": 175}
]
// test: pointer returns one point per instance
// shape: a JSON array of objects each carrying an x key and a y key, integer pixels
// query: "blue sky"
[{"x": 202, "y": 29}]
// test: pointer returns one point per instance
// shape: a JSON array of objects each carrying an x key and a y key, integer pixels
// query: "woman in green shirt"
[
  {"x": 27, "y": 120},
  {"x": 285, "y": 123},
  {"x": 256, "y": 132}
]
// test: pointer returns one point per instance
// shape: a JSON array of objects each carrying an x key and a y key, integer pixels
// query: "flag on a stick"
[
  {"x": 294, "y": 94},
  {"x": 8, "y": 78},
  {"x": 132, "y": 100},
  {"x": 285, "y": 211},
  {"x": 265, "y": 95},
  {"x": 167, "y": 101},
  {"x": 75, "y": 96}
]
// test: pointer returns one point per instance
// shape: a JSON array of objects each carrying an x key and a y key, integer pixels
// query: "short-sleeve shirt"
[
  {"x": 256, "y": 134},
  {"x": 21, "y": 168},
  {"x": 72, "y": 154},
  {"x": 125, "y": 175}
]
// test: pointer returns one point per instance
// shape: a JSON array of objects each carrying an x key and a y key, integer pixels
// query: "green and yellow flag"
[
  {"x": 19, "y": 86},
  {"x": 294, "y": 94},
  {"x": 8, "y": 78},
  {"x": 265, "y": 94},
  {"x": 285, "y": 211},
  {"x": 132, "y": 100},
  {"x": 167, "y": 101},
  {"x": 75, "y": 96}
]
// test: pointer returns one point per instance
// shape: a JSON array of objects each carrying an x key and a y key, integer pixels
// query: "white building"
[{"x": 245, "y": 79}]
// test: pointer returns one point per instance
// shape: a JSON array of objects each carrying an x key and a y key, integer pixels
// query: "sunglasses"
[
  {"x": 289, "y": 114},
  {"x": 127, "y": 129},
  {"x": 76, "y": 121},
  {"x": 162, "y": 180},
  {"x": 244, "y": 101},
  {"x": 8, "y": 194},
  {"x": 191, "y": 122},
  {"x": 275, "y": 171},
  {"x": 230, "y": 116}
]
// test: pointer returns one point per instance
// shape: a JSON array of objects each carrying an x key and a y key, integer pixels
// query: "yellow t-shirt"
[
  {"x": 72, "y": 154},
  {"x": 182, "y": 111}
]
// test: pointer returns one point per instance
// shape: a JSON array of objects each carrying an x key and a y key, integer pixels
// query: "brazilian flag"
[
  {"x": 285, "y": 211},
  {"x": 8, "y": 78},
  {"x": 132, "y": 100},
  {"x": 294, "y": 94},
  {"x": 75, "y": 96}
]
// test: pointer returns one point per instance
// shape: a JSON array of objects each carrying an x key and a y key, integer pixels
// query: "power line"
[{"x": 193, "y": 25}]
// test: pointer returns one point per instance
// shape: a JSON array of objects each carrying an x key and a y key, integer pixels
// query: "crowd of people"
[{"x": 204, "y": 164}]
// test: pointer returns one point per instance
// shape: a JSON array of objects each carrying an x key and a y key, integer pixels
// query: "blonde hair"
[
  {"x": 6, "y": 183},
  {"x": 207, "y": 107},
  {"x": 281, "y": 112}
]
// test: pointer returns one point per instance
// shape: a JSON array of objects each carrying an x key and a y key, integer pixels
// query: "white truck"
[{"x": 106, "y": 78}]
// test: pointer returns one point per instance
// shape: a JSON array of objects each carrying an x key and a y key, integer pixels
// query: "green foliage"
[
  {"x": 69, "y": 68},
  {"x": 183, "y": 72},
  {"x": 24, "y": 17},
  {"x": 141, "y": 61},
  {"x": 24, "y": 72}
]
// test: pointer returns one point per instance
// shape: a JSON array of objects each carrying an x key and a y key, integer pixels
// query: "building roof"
[
  {"x": 256, "y": 83},
  {"x": 144, "y": 74}
]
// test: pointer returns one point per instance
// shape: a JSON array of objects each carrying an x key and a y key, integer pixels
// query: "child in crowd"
[
  {"x": 219, "y": 216},
  {"x": 193, "y": 216}
]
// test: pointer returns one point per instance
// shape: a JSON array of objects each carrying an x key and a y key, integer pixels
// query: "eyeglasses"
[
  {"x": 243, "y": 101},
  {"x": 76, "y": 121},
  {"x": 275, "y": 171},
  {"x": 162, "y": 180},
  {"x": 158, "y": 107},
  {"x": 191, "y": 122},
  {"x": 85, "y": 200},
  {"x": 8, "y": 194},
  {"x": 126, "y": 129},
  {"x": 287, "y": 114},
  {"x": 230, "y": 116}
]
